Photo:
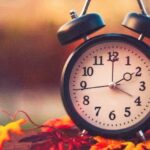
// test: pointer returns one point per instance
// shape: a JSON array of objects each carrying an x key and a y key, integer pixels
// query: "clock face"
[{"x": 108, "y": 85}]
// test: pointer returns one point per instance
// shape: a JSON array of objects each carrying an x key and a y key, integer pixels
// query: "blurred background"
[{"x": 31, "y": 58}]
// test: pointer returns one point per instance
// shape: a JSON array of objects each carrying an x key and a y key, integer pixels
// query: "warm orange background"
[{"x": 31, "y": 58}]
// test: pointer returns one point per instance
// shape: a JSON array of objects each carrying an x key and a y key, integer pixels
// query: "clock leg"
[
  {"x": 141, "y": 135},
  {"x": 83, "y": 132}
]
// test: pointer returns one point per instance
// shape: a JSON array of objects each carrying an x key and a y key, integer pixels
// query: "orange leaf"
[
  {"x": 13, "y": 127},
  {"x": 63, "y": 123},
  {"x": 109, "y": 144},
  {"x": 105, "y": 144},
  {"x": 143, "y": 146},
  {"x": 128, "y": 146}
]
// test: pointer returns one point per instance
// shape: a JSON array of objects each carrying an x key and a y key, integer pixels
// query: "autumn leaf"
[
  {"x": 59, "y": 139},
  {"x": 140, "y": 146},
  {"x": 143, "y": 146},
  {"x": 105, "y": 144},
  {"x": 13, "y": 127},
  {"x": 128, "y": 145},
  {"x": 62, "y": 123},
  {"x": 147, "y": 134},
  {"x": 110, "y": 144},
  {"x": 63, "y": 134}
]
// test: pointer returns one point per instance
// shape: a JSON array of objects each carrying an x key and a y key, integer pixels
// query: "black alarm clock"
[{"x": 105, "y": 84}]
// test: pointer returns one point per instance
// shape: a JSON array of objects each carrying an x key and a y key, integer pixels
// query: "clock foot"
[
  {"x": 83, "y": 132},
  {"x": 141, "y": 135}
]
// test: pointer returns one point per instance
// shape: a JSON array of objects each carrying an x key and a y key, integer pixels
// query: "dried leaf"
[
  {"x": 60, "y": 139},
  {"x": 147, "y": 134},
  {"x": 143, "y": 146},
  {"x": 62, "y": 123},
  {"x": 62, "y": 134},
  {"x": 13, "y": 127},
  {"x": 128, "y": 145},
  {"x": 105, "y": 143},
  {"x": 38, "y": 137}
]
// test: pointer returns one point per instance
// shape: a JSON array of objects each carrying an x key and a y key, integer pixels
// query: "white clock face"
[{"x": 110, "y": 85}]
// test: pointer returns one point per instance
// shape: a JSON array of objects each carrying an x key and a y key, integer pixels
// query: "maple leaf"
[
  {"x": 62, "y": 123},
  {"x": 63, "y": 134},
  {"x": 59, "y": 139},
  {"x": 113, "y": 145},
  {"x": 59, "y": 134},
  {"x": 105, "y": 144},
  {"x": 143, "y": 146},
  {"x": 13, "y": 127},
  {"x": 129, "y": 145},
  {"x": 147, "y": 134},
  {"x": 140, "y": 146},
  {"x": 110, "y": 144}
]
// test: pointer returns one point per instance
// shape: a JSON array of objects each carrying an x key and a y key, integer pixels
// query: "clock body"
[{"x": 105, "y": 85}]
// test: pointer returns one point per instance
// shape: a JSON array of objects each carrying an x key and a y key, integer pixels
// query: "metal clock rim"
[{"x": 79, "y": 121}]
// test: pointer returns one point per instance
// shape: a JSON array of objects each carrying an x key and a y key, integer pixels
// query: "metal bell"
[
  {"x": 139, "y": 23},
  {"x": 79, "y": 28}
]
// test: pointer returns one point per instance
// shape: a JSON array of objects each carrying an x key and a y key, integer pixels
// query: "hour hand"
[{"x": 123, "y": 91}]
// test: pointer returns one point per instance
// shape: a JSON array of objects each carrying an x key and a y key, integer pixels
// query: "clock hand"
[
  {"x": 112, "y": 79},
  {"x": 126, "y": 76},
  {"x": 123, "y": 91},
  {"x": 94, "y": 87},
  {"x": 114, "y": 86}
]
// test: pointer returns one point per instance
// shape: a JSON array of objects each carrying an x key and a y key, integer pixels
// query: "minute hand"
[{"x": 94, "y": 87}]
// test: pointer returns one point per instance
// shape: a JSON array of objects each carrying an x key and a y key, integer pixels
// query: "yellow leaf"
[
  {"x": 129, "y": 145},
  {"x": 143, "y": 146},
  {"x": 13, "y": 127},
  {"x": 106, "y": 144}
]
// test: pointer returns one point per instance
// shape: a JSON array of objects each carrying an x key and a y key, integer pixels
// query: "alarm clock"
[{"x": 105, "y": 82}]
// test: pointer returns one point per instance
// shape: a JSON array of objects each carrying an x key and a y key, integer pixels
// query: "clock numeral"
[
  {"x": 138, "y": 101},
  {"x": 127, "y": 112},
  {"x": 128, "y": 61},
  {"x": 88, "y": 71},
  {"x": 138, "y": 73},
  {"x": 142, "y": 86},
  {"x": 112, "y": 115},
  {"x": 83, "y": 85},
  {"x": 97, "y": 109},
  {"x": 113, "y": 56},
  {"x": 86, "y": 100},
  {"x": 98, "y": 60}
]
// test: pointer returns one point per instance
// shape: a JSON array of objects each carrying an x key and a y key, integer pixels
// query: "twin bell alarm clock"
[{"x": 105, "y": 84}]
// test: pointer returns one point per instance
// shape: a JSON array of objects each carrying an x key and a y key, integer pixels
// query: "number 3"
[{"x": 142, "y": 86}]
